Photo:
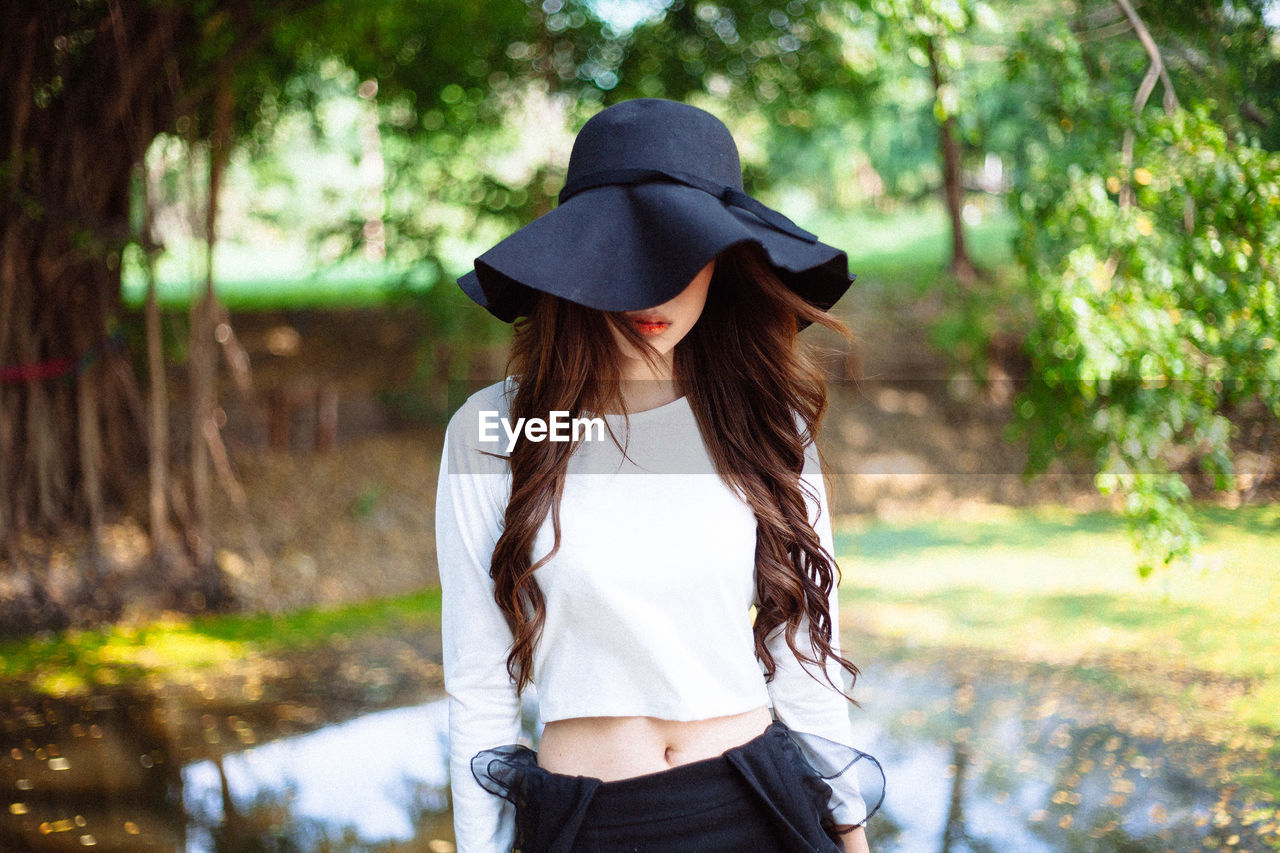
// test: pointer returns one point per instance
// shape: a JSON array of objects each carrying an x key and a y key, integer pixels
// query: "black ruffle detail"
[
  {"x": 840, "y": 786},
  {"x": 850, "y": 782},
  {"x": 498, "y": 770},
  {"x": 549, "y": 806}
]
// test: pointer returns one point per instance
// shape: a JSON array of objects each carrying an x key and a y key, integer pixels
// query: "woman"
[{"x": 616, "y": 569}]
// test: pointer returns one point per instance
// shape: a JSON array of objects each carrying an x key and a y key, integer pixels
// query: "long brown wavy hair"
[{"x": 748, "y": 382}]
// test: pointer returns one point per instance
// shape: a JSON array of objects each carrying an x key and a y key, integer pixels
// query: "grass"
[
  {"x": 1054, "y": 586},
  {"x": 904, "y": 249},
  {"x": 914, "y": 245},
  {"x": 175, "y": 649},
  {"x": 247, "y": 279},
  {"x": 1045, "y": 584}
]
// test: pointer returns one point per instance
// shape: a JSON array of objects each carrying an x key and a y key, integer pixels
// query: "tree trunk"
[
  {"x": 158, "y": 397},
  {"x": 961, "y": 266},
  {"x": 83, "y": 98},
  {"x": 200, "y": 368},
  {"x": 204, "y": 396},
  {"x": 87, "y": 88}
]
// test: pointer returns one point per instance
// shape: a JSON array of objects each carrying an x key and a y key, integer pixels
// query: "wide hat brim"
[{"x": 625, "y": 247}]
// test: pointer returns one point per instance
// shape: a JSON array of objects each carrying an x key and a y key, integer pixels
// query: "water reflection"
[
  {"x": 978, "y": 766},
  {"x": 367, "y": 783},
  {"x": 366, "y": 778},
  {"x": 94, "y": 773},
  {"x": 979, "y": 761}
]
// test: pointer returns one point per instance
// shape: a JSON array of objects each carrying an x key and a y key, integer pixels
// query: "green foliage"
[
  {"x": 1156, "y": 320},
  {"x": 931, "y": 55},
  {"x": 1152, "y": 320},
  {"x": 756, "y": 55},
  {"x": 786, "y": 77},
  {"x": 1153, "y": 277}
]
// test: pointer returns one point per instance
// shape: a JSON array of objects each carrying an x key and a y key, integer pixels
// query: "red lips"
[{"x": 650, "y": 324}]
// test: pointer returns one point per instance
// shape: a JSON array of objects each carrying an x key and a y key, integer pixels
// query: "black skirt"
[{"x": 764, "y": 796}]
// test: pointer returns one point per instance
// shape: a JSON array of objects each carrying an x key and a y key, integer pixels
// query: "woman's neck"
[
  {"x": 644, "y": 387},
  {"x": 640, "y": 395}
]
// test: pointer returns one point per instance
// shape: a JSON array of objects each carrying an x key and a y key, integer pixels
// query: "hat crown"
[{"x": 658, "y": 134}]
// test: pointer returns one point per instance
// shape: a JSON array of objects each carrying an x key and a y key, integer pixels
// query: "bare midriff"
[{"x": 612, "y": 748}]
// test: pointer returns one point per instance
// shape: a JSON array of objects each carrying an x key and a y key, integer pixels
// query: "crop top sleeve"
[
  {"x": 800, "y": 693},
  {"x": 484, "y": 708}
]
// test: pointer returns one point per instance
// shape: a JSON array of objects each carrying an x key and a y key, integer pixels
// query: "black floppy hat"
[{"x": 653, "y": 193}]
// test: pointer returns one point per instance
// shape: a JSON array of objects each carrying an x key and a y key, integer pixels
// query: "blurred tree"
[
  {"x": 753, "y": 54},
  {"x": 785, "y": 76},
  {"x": 931, "y": 34},
  {"x": 94, "y": 82},
  {"x": 91, "y": 84},
  {"x": 1150, "y": 233}
]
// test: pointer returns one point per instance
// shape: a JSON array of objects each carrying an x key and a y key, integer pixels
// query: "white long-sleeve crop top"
[{"x": 647, "y": 600}]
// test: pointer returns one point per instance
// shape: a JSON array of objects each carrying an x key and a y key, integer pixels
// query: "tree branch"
[
  {"x": 1157, "y": 62},
  {"x": 1157, "y": 70}
]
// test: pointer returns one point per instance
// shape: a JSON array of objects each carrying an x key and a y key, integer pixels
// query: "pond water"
[{"x": 978, "y": 761}]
